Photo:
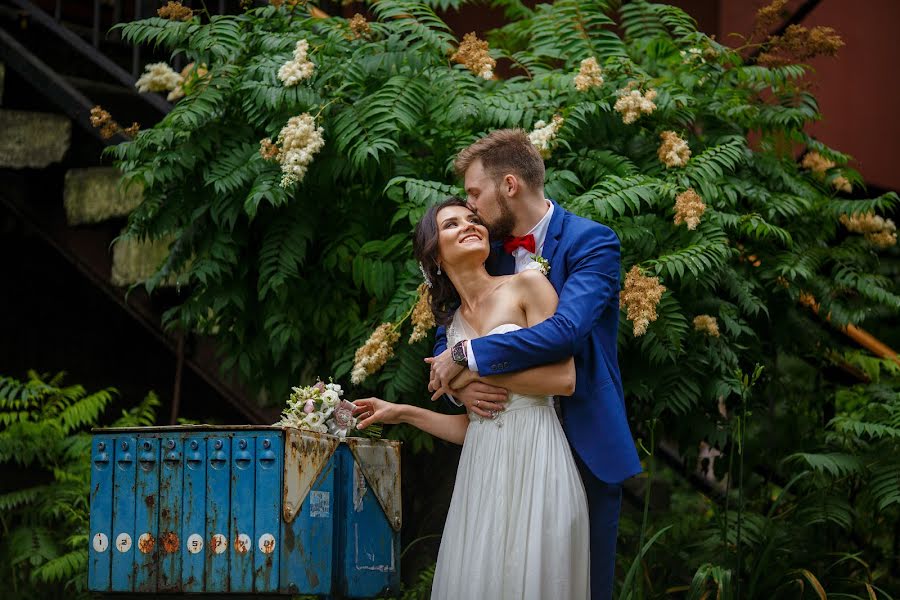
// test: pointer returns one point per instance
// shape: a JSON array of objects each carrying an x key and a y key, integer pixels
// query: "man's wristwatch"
[{"x": 458, "y": 354}]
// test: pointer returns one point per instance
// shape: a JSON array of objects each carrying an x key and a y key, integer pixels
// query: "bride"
[{"x": 518, "y": 520}]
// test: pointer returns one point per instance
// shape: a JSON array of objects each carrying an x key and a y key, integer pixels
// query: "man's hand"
[
  {"x": 482, "y": 398},
  {"x": 443, "y": 370}
]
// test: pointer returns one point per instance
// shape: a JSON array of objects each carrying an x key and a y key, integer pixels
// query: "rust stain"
[
  {"x": 145, "y": 544},
  {"x": 169, "y": 541},
  {"x": 311, "y": 575},
  {"x": 263, "y": 574},
  {"x": 164, "y": 513},
  {"x": 313, "y": 578},
  {"x": 150, "y": 501},
  {"x": 289, "y": 539},
  {"x": 239, "y": 546}
]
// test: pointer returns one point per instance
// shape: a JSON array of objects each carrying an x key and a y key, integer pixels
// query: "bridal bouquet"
[{"x": 319, "y": 408}]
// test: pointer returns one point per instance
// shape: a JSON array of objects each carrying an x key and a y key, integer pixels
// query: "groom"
[{"x": 504, "y": 182}]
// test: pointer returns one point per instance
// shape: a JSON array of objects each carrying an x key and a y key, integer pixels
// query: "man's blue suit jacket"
[{"x": 584, "y": 269}]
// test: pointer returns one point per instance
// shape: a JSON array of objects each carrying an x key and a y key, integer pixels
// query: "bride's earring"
[{"x": 439, "y": 269}]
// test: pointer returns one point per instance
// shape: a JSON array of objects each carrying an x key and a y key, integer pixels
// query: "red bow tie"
[{"x": 526, "y": 241}]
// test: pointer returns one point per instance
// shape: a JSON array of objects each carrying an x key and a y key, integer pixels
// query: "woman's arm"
[
  {"x": 538, "y": 300},
  {"x": 451, "y": 428},
  {"x": 556, "y": 379}
]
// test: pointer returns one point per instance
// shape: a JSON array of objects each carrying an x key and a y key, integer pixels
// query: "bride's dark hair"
[{"x": 444, "y": 298}]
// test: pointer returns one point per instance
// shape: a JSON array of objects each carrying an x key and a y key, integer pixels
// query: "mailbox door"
[
  {"x": 218, "y": 505},
  {"x": 171, "y": 491},
  {"x": 146, "y": 514},
  {"x": 194, "y": 533},
  {"x": 99, "y": 551},
  {"x": 122, "y": 545},
  {"x": 308, "y": 541},
  {"x": 368, "y": 549},
  {"x": 243, "y": 493},
  {"x": 267, "y": 549}
]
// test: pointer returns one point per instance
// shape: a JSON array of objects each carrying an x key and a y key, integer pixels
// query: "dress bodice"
[{"x": 458, "y": 330}]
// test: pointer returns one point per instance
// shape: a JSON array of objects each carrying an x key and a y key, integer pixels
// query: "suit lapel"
[{"x": 554, "y": 231}]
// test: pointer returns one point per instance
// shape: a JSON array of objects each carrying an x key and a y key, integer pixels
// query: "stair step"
[
  {"x": 135, "y": 261},
  {"x": 33, "y": 139},
  {"x": 96, "y": 194}
]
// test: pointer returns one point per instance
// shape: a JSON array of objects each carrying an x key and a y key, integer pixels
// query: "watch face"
[{"x": 458, "y": 353}]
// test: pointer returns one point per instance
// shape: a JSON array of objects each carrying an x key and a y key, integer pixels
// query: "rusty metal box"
[{"x": 244, "y": 509}]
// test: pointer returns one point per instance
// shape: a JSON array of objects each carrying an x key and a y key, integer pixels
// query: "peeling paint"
[
  {"x": 306, "y": 455},
  {"x": 379, "y": 462},
  {"x": 359, "y": 487}
]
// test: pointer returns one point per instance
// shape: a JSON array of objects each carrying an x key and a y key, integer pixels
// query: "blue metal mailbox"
[{"x": 243, "y": 509}]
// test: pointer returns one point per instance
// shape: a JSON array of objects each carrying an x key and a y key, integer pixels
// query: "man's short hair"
[{"x": 504, "y": 151}]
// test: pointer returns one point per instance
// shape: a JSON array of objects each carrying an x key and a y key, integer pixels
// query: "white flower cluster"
[
  {"x": 294, "y": 71},
  {"x": 544, "y": 135},
  {"x": 186, "y": 80},
  {"x": 632, "y": 104},
  {"x": 692, "y": 54},
  {"x": 299, "y": 141},
  {"x": 319, "y": 408},
  {"x": 589, "y": 75},
  {"x": 158, "y": 77}
]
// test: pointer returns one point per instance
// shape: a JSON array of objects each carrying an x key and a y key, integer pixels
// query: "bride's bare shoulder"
[
  {"x": 531, "y": 279},
  {"x": 534, "y": 289}
]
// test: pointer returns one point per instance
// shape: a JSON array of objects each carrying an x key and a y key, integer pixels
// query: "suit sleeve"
[
  {"x": 440, "y": 340},
  {"x": 592, "y": 284}
]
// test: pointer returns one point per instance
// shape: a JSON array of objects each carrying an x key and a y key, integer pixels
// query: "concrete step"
[
  {"x": 134, "y": 261},
  {"x": 33, "y": 139},
  {"x": 96, "y": 194}
]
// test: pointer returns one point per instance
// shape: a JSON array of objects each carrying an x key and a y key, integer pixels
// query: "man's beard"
[{"x": 502, "y": 228}]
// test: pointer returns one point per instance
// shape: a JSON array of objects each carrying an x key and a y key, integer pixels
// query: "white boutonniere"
[{"x": 539, "y": 263}]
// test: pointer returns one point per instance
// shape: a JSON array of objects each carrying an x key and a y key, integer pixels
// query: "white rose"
[{"x": 330, "y": 397}]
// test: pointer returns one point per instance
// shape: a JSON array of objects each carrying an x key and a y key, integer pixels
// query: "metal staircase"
[{"x": 53, "y": 77}]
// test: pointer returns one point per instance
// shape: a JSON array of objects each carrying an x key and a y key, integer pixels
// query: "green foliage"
[
  {"x": 292, "y": 280},
  {"x": 44, "y": 438}
]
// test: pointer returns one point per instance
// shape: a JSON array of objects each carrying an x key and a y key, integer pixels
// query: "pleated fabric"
[{"x": 517, "y": 527}]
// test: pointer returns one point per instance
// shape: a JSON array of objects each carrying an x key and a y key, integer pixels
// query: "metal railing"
[{"x": 90, "y": 51}]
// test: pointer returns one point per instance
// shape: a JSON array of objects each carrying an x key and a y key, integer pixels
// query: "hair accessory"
[{"x": 425, "y": 275}]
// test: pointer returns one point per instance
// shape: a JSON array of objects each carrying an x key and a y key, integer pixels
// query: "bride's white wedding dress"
[{"x": 518, "y": 521}]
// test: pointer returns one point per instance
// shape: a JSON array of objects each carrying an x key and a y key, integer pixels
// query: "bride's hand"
[
  {"x": 462, "y": 380},
  {"x": 375, "y": 410}
]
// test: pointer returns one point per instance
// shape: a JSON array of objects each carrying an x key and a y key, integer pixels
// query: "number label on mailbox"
[{"x": 194, "y": 543}]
